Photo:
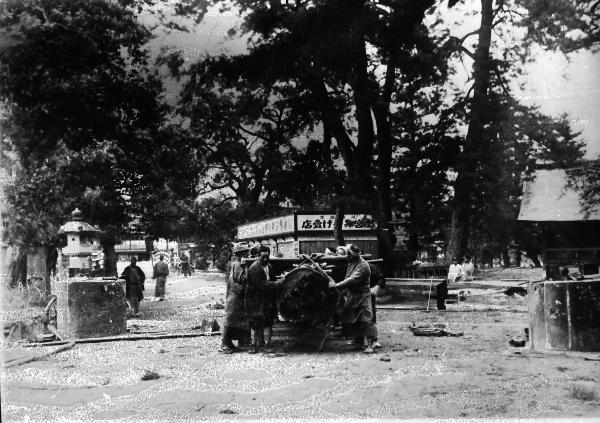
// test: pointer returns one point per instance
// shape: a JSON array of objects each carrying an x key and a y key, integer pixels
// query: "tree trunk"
[
  {"x": 467, "y": 166},
  {"x": 18, "y": 269},
  {"x": 518, "y": 258},
  {"x": 505, "y": 257},
  {"x": 413, "y": 229},
  {"x": 51, "y": 257},
  {"x": 383, "y": 189},
  {"x": 338, "y": 224},
  {"x": 533, "y": 255},
  {"x": 110, "y": 257}
]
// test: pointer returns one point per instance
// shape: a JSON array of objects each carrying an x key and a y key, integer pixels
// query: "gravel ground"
[{"x": 477, "y": 375}]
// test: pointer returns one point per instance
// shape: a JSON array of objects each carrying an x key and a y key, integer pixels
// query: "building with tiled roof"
[{"x": 570, "y": 237}]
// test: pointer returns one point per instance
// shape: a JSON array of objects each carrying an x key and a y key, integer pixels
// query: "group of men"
[{"x": 251, "y": 305}]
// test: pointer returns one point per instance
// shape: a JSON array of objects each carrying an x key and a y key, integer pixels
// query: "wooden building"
[
  {"x": 570, "y": 239},
  {"x": 310, "y": 232}
]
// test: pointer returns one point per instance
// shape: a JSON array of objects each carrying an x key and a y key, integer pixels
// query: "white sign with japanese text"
[
  {"x": 265, "y": 228},
  {"x": 325, "y": 222}
]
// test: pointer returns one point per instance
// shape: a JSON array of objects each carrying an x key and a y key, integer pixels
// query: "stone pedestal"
[
  {"x": 62, "y": 266},
  {"x": 564, "y": 315},
  {"x": 89, "y": 308}
]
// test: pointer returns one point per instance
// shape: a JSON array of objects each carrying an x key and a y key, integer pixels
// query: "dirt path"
[{"x": 477, "y": 375}]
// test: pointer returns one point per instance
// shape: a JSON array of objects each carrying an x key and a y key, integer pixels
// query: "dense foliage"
[{"x": 337, "y": 104}]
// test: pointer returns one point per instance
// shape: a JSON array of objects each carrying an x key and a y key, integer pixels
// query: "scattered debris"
[
  {"x": 203, "y": 326},
  {"x": 308, "y": 376},
  {"x": 386, "y": 359},
  {"x": 227, "y": 411},
  {"x": 584, "y": 391},
  {"x": 437, "y": 329},
  {"x": 207, "y": 326},
  {"x": 518, "y": 290},
  {"x": 150, "y": 375},
  {"x": 216, "y": 305},
  {"x": 276, "y": 354},
  {"x": 518, "y": 343},
  {"x": 591, "y": 359}
]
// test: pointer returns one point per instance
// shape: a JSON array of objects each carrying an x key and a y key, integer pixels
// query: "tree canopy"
[
  {"x": 370, "y": 76},
  {"x": 341, "y": 104},
  {"x": 85, "y": 116}
]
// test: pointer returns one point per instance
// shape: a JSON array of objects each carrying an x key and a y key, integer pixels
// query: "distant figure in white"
[
  {"x": 468, "y": 268},
  {"x": 455, "y": 271}
]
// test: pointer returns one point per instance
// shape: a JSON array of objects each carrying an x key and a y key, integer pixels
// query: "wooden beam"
[{"x": 125, "y": 338}]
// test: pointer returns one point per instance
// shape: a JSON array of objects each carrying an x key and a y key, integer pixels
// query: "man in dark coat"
[
  {"x": 357, "y": 315},
  {"x": 260, "y": 300},
  {"x": 161, "y": 271},
  {"x": 134, "y": 285},
  {"x": 185, "y": 266}
]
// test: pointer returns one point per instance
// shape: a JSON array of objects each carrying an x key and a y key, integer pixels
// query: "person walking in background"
[
  {"x": 185, "y": 266},
  {"x": 260, "y": 300},
  {"x": 236, "y": 325},
  {"x": 161, "y": 271},
  {"x": 134, "y": 285}
]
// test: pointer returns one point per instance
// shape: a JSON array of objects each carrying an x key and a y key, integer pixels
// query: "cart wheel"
[
  {"x": 51, "y": 320},
  {"x": 50, "y": 312}
]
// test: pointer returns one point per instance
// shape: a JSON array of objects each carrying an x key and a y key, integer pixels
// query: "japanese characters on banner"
[
  {"x": 265, "y": 228},
  {"x": 324, "y": 222}
]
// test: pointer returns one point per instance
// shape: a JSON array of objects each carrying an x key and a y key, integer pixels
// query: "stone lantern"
[
  {"x": 82, "y": 244},
  {"x": 86, "y": 307}
]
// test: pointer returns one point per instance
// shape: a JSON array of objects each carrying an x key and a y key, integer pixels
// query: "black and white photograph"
[{"x": 300, "y": 210}]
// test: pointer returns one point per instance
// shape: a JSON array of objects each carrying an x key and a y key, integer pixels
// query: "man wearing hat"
[
  {"x": 161, "y": 271},
  {"x": 357, "y": 316},
  {"x": 260, "y": 299},
  {"x": 236, "y": 324},
  {"x": 134, "y": 285}
]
